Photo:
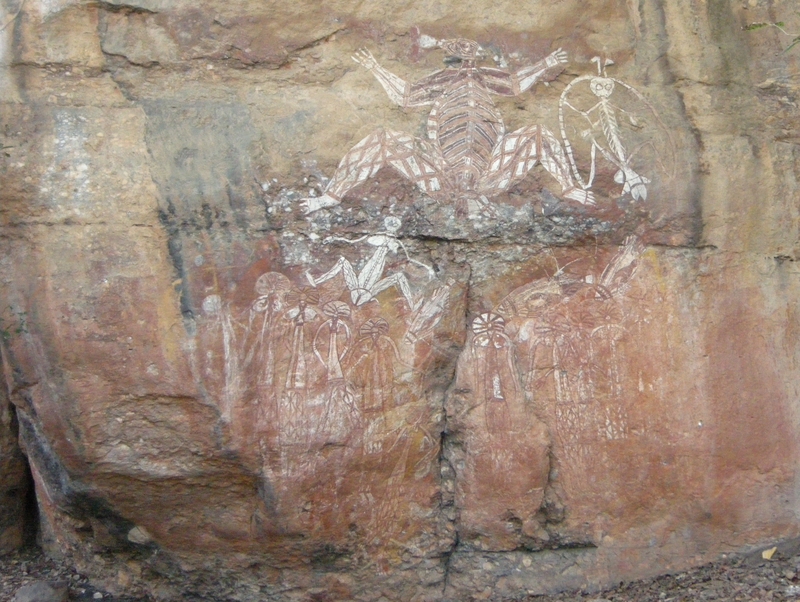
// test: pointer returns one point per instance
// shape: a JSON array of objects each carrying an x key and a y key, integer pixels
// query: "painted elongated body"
[{"x": 605, "y": 136}]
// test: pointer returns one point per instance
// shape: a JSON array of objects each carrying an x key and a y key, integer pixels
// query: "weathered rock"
[
  {"x": 456, "y": 377},
  {"x": 13, "y": 475},
  {"x": 42, "y": 591}
]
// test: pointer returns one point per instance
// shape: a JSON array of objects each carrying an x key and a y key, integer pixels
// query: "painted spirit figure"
[
  {"x": 605, "y": 118},
  {"x": 468, "y": 156},
  {"x": 369, "y": 282},
  {"x": 496, "y": 377}
]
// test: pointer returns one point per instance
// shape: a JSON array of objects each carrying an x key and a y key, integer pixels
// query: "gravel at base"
[
  {"x": 30, "y": 564},
  {"x": 741, "y": 578},
  {"x": 747, "y": 578}
]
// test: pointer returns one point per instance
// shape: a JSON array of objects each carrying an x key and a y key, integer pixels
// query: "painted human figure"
[
  {"x": 334, "y": 419},
  {"x": 338, "y": 335},
  {"x": 496, "y": 376},
  {"x": 367, "y": 283},
  {"x": 303, "y": 311},
  {"x": 370, "y": 365},
  {"x": 271, "y": 288},
  {"x": 468, "y": 155},
  {"x": 605, "y": 133},
  {"x": 220, "y": 314}
]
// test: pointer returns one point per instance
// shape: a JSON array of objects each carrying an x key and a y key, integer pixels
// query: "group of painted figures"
[
  {"x": 327, "y": 360},
  {"x": 323, "y": 358},
  {"x": 469, "y": 157}
]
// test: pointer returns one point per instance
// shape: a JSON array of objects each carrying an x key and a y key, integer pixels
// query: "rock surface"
[
  {"x": 740, "y": 577},
  {"x": 459, "y": 376},
  {"x": 42, "y": 591},
  {"x": 14, "y": 480}
]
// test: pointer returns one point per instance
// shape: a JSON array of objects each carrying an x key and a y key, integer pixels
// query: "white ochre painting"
[{"x": 332, "y": 366}]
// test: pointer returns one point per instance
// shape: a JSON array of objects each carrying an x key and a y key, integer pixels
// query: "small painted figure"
[
  {"x": 271, "y": 288},
  {"x": 496, "y": 376},
  {"x": 303, "y": 311},
  {"x": 605, "y": 133},
  {"x": 366, "y": 284},
  {"x": 370, "y": 365},
  {"x": 213, "y": 307},
  {"x": 337, "y": 313}
]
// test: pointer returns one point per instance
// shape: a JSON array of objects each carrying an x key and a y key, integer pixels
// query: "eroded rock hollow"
[{"x": 361, "y": 301}]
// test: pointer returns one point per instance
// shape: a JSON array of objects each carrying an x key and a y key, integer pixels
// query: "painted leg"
[
  {"x": 365, "y": 159},
  {"x": 400, "y": 281},
  {"x": 358, "y": 294},
  {"x": 515, "y": 154}
]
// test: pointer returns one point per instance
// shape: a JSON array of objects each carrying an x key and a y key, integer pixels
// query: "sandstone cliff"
[{"x": 278, "y": 324}]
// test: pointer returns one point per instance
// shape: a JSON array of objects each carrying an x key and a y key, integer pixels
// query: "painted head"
[
  {"x": 461, "y": 48},
  {"x": 392, "y": 224},
  {"x": 602, "y": 86}
]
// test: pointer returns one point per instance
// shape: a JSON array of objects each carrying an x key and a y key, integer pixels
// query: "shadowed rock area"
[{"x": 354, "y": 301}]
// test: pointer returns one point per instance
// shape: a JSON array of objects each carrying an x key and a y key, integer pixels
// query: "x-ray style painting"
[
  {"x": 330, "y": 369},
  {"x": 541, "y": 389},
  {"x": 469, "y": 157},
  {"x": 326, "y": 372}
]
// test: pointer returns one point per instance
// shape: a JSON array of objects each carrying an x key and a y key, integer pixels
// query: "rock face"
[
  {"x": 13, "y": 479},
  {"x": 280, "y": 324}
]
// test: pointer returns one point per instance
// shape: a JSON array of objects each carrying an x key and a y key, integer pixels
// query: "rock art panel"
[
  {"x": 556, "y": 335},
  {"x": 328, "y": 375},
  {"x": 468, "y": 157},
  {"x": 539, "y": 384},
  {"x": 239, "y": 379}
]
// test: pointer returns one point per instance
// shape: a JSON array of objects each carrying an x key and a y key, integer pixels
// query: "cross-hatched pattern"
[{"x": 468, "y": 155}]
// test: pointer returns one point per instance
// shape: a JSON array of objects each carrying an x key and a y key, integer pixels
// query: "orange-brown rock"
[
  {"x": 13, "y": 479},
  {"x": 267, "y": 334}
]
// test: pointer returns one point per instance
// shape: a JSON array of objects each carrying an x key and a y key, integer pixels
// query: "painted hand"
[
  {"x": 313, "y": 203},
  {"x": 559, "y": 57},
  {"x": 364, "y": 58}
]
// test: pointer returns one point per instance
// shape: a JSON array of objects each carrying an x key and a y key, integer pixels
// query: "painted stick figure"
[
  {"x": 603, "y": 117},
  {"x": 468, "y": 156},
  {"x": 337, "y": 312},
  {"x": 365, "y": 285}
]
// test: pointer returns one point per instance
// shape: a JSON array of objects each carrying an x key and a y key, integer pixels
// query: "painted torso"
[{"x": 465, "y": 125}]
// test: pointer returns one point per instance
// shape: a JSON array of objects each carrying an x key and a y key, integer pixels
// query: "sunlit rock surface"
[{"x": 516, "y": 379}]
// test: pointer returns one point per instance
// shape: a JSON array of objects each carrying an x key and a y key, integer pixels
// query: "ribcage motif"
[
  {"x": 468, "y": 156},
  {"x": 466, "y": 126}
]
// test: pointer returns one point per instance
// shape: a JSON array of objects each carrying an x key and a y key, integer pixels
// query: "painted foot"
[
  {"x": 584, "y": 197},
  {"x": 638, "y": 191},
  {"x": 483, "y": 208},
  {"x": 314, "y": 203},
  {"x": 634, "y": 184}
]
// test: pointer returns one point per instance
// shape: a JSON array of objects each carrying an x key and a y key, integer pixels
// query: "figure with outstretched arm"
[
  {"x": 467, "y": 156},
  {"x": 367, "y": 283}
]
